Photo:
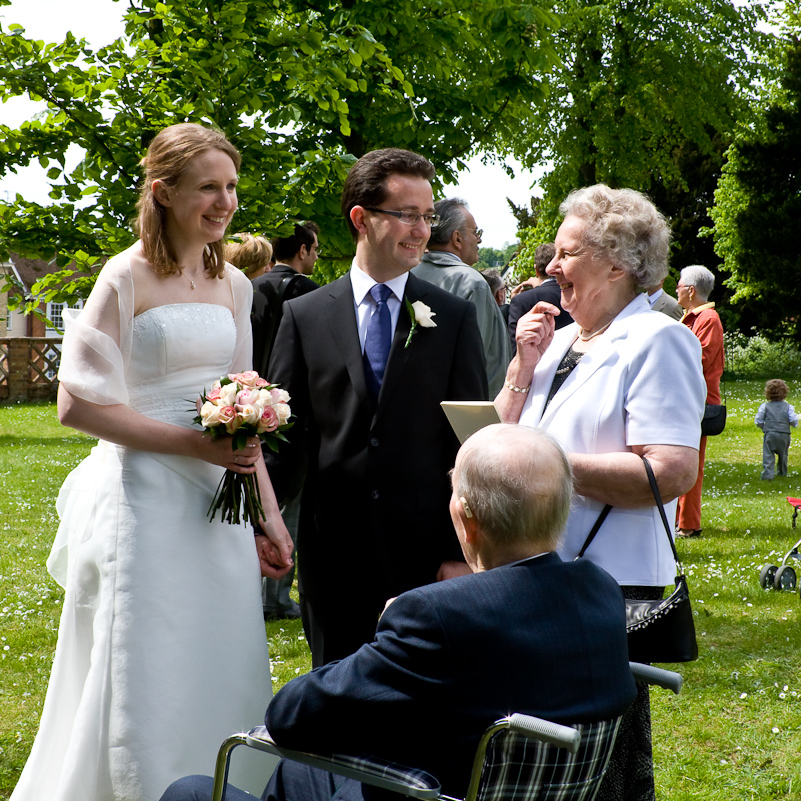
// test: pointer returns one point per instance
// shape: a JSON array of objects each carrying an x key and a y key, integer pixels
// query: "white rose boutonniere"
[{"x": 419, "y": 314}]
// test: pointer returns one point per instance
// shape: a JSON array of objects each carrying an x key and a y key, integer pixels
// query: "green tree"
[
  {"x": 303, "y": 88},
  {"x": 649, "y": 95},
  {"x": 490, "y": 257},
  {"x": 758, "y": 206}
]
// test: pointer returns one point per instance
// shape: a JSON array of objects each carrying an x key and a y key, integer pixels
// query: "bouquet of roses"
[{"x": 239, "y": 406}]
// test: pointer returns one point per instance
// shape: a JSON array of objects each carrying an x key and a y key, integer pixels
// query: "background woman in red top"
[{"x": 694, "y": 288}]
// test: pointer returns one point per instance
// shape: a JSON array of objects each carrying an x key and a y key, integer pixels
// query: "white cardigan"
[{"x": 640, "y": 385}]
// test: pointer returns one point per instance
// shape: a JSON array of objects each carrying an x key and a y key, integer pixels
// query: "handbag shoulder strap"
[
  {"x": 658, "y": 498},
  {"x": 591, "y": 536}
]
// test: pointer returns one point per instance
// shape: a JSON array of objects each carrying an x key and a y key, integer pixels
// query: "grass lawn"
[{"x": 734, "y": 733}]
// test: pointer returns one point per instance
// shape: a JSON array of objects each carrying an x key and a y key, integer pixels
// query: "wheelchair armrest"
[
  {"x": 369, "y": 770},
  {"x": 648, "y": 674}
]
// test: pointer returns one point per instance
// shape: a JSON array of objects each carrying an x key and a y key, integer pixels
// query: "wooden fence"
[{"x": 28, "y": 368}]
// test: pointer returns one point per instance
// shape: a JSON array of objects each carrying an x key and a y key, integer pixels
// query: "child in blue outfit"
[{"x": 775, "y": 418}]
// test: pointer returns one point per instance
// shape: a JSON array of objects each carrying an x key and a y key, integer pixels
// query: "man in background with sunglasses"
[
  {"x": 366, "y": 361},
  {"x": 452, "y": 252}
]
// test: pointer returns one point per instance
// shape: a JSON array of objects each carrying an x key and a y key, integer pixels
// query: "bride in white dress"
[{"x": 162, "y": 649}]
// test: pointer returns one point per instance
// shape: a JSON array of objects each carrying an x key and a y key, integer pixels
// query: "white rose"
[
  {"x": 250, "y": 413},
  {"x": 228, "y": 394},
  {"x": 209, "y": 414},
  {"x": 265, "y": 397},
  {"x": 280, "y": 396},
  {"x": 283, "y": 412},
  {"x": 423, "y": 314}
]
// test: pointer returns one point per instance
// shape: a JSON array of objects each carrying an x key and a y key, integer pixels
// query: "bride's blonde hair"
[{"x": 166, "y": 159}]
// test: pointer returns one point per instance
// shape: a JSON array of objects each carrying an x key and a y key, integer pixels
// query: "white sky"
[{"x": 485, "y": 188}]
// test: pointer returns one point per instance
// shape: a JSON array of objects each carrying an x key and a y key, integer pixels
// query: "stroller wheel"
[
  {"x": 766, "y": 576},
  {"x": 785, "y": 578}
]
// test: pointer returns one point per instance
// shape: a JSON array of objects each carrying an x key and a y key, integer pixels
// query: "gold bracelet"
[{"x": 511, "y": 386}]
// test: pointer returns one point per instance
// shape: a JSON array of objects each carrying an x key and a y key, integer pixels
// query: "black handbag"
[
  {"x": 662, "y": 630},
  {"x": 714, "y": 420}
]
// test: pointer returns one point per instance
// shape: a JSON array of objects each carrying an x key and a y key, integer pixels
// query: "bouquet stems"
[{"x": 233, "y": 489}]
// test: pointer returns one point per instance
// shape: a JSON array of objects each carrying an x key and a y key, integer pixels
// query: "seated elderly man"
[{"x": 525, "y": 632}]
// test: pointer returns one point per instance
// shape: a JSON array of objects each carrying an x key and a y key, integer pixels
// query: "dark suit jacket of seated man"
[
  {"x": 537, "y": 636},
  {"x": 374, "y": 520}
]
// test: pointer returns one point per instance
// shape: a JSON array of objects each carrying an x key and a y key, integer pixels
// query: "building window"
[
  {"x": 55, "y": 318},
  {"x": 55, "y": 322}
]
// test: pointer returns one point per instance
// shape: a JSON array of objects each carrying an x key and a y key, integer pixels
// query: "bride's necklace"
[
  {"x": 192, "y": 283},
  {"x": 587, "y": 337}
]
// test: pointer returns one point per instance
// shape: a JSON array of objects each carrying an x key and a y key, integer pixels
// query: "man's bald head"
[{"x": 517, "y": 483}]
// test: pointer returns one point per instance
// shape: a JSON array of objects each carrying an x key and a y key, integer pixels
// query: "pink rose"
[
  {"x": 268, "y": 421},
  {"x": 248, "y": 379},
  {"x": 214, "y": 395},
  {"x": 247, "y": 397},
  {"x": 229, "y": 419}
]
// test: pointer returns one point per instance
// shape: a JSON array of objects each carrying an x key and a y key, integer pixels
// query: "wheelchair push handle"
[
  {"x": 545, "y": 731},
  {"x": 648, "y": 674}
]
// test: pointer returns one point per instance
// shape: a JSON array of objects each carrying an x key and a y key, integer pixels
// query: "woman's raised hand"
[{"x": 535, "y": 330}]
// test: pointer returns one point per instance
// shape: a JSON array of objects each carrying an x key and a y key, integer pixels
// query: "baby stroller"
[{"x": 783, "y": 576}]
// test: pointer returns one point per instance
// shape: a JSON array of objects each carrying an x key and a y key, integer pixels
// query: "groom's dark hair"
[{"x": 366, "y": 181}]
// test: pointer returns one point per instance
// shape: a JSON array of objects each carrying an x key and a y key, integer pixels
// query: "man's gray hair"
[
  {"x": 451, "y": 218},
  {"x": 517, "y": 482},
  {"x": 623, "y": 226},
  {"x": 493, "y": 278},
  {"x": 702, "y": 279}
]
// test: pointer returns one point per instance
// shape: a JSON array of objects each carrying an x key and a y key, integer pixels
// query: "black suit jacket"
[
  {"x": 525, "y": 301},
  {"x": 265, "y": 288},
  {"x": 542, "y": 637},
  {"x": 374, "y": 515}
]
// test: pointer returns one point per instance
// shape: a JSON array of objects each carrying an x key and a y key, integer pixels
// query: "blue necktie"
[{"x": 378, "y": 340}]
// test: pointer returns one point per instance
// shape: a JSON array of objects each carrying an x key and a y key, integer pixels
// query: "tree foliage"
[
  {"x": 302, "y": 88},
  {"x": 649, "y": 94},
  {"x": 495, "y": 258},
  {"x": 758, "y": 208}
]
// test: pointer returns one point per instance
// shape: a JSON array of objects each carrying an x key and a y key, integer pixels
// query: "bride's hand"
[
  {"x": 242, "y": 461},
  {"x": 274, "y": 547}
]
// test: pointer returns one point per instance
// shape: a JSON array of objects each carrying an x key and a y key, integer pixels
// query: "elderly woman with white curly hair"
[{"x": 619, "y": 383}]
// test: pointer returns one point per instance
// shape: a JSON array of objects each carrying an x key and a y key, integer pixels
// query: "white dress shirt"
[
  {"x": 364, "y": 304},
  {"x": 655, "y": 297}
]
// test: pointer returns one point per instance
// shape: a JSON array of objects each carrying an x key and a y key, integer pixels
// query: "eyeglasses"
[
  {"x": 479, "y": 232},
  {"x": 408, "y": 217}
]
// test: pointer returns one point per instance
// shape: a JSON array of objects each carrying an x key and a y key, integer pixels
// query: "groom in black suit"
[
  {"x": 366, "y": 374},
  {"x": 525, "y": 632}
]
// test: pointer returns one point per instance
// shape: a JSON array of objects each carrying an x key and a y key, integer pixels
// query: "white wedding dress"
[{"x": 161, "y": 650}]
